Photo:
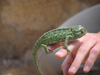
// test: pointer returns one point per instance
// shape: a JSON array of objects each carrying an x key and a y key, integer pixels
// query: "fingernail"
[
  {"x": 59, "y": 53},
  {"x": 72, "y": 69},
  {"x": 87, "y": 68}
]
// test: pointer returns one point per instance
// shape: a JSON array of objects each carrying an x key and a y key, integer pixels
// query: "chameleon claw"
[
  {"x": 67, "y": 49},
  {"x": 46, "y": 49}
]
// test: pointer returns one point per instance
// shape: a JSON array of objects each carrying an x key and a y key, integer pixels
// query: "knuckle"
[
  {"x": 93, "y": 39},
  {"x": 82, "y": 49},
  {"x": 98, "y": 42},
  {"x": 77, "y": 63},
  {"x": 90, "y": 62},
  {"x": 94, "y": 50}
]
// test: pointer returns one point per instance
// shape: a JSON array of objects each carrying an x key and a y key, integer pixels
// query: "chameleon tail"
[{"x": 34, "y": 58}]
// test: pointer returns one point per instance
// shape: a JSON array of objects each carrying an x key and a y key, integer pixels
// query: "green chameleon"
[{"x": 55, "y": 36}]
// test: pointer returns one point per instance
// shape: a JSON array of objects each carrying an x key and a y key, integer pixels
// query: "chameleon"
[{"x": 55, "y": 36}]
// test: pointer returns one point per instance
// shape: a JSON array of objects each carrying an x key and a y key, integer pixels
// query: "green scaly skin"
[{"x": 55, "y": 36}]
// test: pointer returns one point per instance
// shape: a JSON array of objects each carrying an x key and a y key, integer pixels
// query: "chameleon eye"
[{"x": 77, "y": 33}]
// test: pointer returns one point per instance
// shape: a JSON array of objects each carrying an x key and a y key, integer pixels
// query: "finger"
[
  {"x": 95, "y": 51},
  {"x": 67, "y": 63},
  {"x": 61, "y": 53},
  {"x": 72, "y": 45},
  {"x": 52, "y": 47},
  {"x": 84, "y": 37},
  {"x": 82, "y": 52}
]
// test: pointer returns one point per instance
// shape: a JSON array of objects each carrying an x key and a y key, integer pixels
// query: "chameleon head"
[{"x": 79, "y": 31}]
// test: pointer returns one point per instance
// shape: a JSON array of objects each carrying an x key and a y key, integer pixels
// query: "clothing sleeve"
[{"x": 90, "y": 19}]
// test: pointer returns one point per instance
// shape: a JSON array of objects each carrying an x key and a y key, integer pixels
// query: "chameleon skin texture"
[{"x": 55, "y": 36}]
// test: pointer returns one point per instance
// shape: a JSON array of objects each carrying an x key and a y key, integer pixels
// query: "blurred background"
[{"x": 22, "y": 22}]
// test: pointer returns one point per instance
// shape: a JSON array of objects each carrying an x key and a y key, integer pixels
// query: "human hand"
[{"x": 85, "y": 49}]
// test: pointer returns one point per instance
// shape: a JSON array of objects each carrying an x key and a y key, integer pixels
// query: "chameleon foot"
[
  {"x": 66, "y": 42},
  {"x": 46, "y": 49}
]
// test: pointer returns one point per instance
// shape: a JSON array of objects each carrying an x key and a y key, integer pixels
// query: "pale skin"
[{"x": 85, "y": 49}]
